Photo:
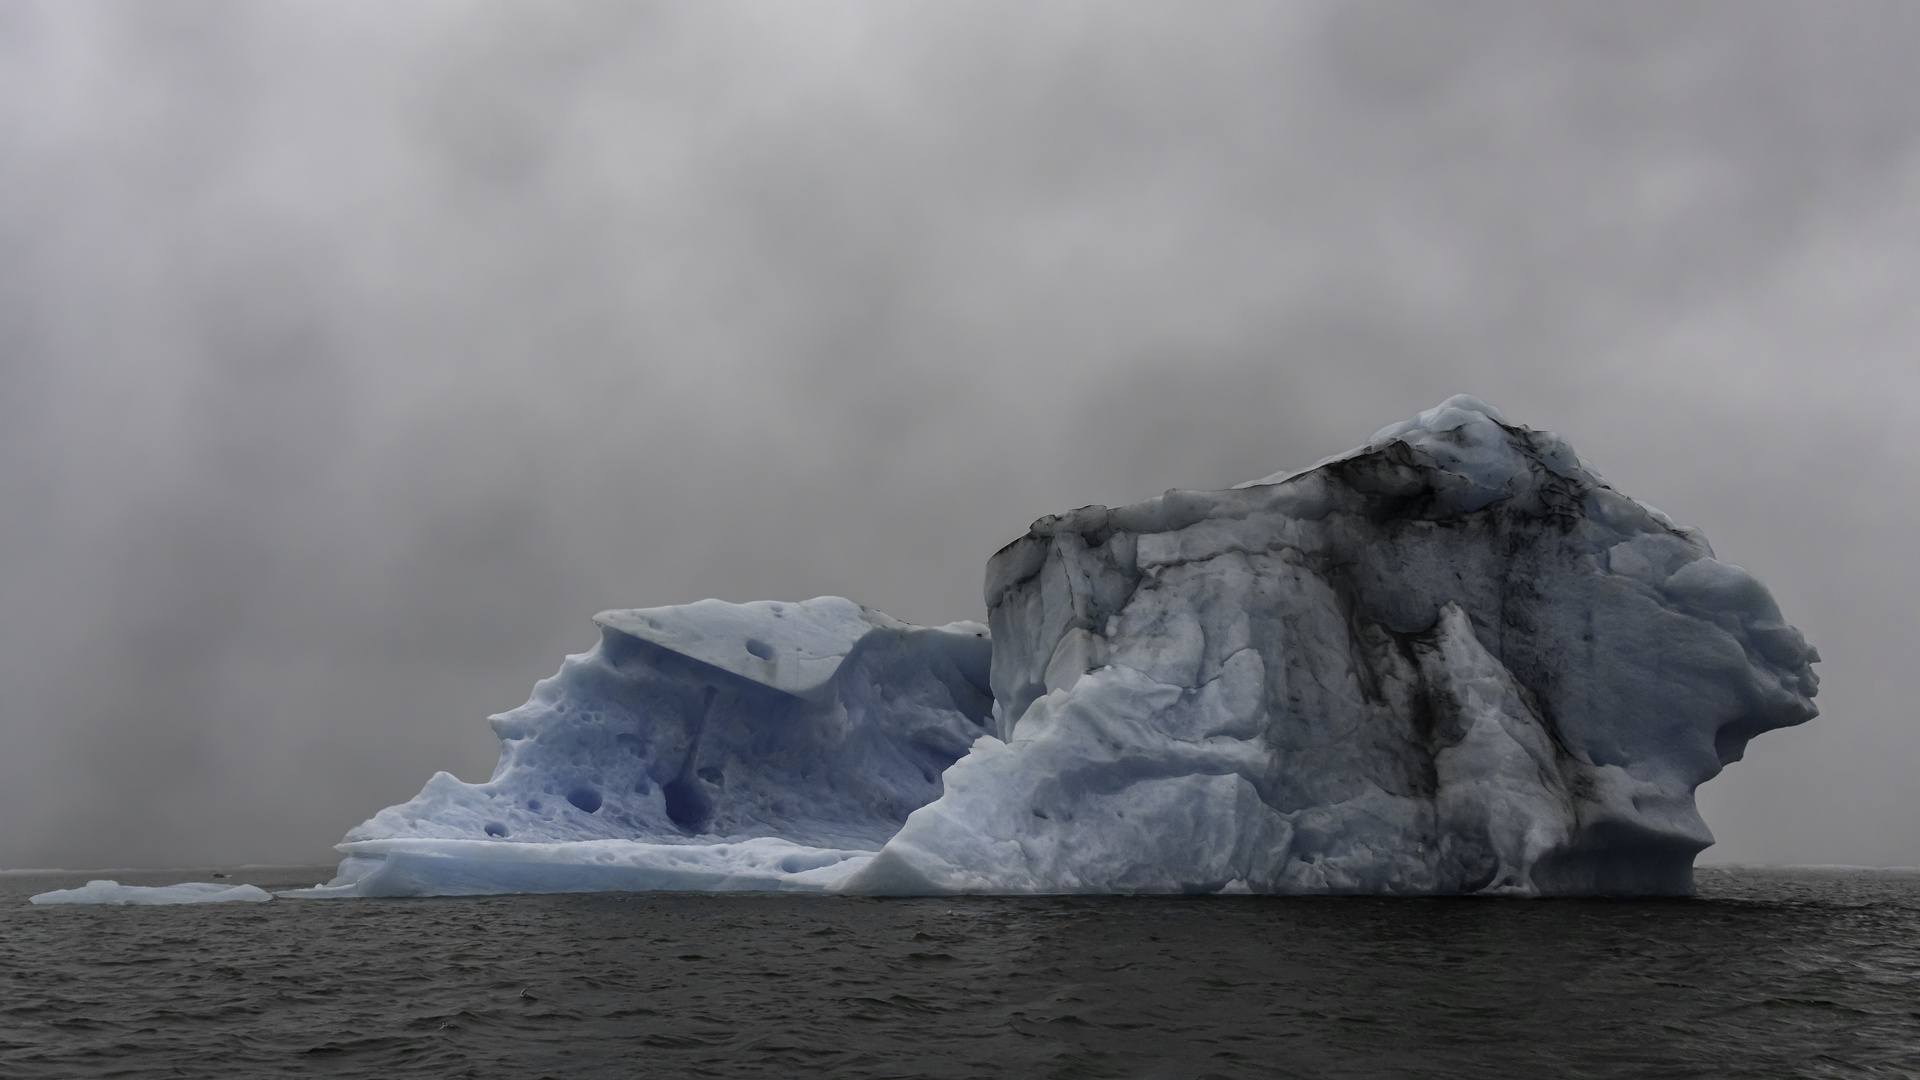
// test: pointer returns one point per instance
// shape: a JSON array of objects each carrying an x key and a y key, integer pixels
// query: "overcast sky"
[{"x": 355, "y": 353}]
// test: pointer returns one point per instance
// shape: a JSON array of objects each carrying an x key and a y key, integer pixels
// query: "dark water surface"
[{"x": 1768, "y": 974}]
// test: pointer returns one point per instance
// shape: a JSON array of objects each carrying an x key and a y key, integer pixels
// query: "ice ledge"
[
  {"x": 430, "y": 867},
  {"x": 795, "y": 648}
]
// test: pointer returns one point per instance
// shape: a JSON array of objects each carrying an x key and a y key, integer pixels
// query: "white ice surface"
[
  {"x": 791, "y": 647},
  {"x": 192, "y": 892}
]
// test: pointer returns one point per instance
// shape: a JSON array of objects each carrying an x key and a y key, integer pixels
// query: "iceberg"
[
  {"x": 192, "y": 892},
  {"x": 1452, "y": 661},
  {"x": 703, "y": 746}
]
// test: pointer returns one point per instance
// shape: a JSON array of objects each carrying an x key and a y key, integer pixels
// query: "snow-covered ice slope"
[
  {"x": 710, "y": 745},
  {"x": 1452, "y": 661}
]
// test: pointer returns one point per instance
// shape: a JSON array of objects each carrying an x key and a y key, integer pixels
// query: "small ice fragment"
[{"x": 191, "y": 892}]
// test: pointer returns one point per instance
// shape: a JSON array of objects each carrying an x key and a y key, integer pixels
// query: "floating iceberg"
[
  {"x": 706, "y": 746},
  {"x": 1452, "y": 661},
  {"x": 192, "y": 892}
]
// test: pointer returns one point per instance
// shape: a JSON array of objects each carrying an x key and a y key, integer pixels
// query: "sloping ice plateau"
[{"x": 1452, "y": 661}]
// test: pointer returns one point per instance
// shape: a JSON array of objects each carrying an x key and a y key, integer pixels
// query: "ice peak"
[
  {"x": 1460, "y": 423},
  {"x": 1455, "y": 412}
]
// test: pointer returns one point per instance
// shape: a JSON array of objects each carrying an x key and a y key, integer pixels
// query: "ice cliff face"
[{"x": 1452, "y": 661}]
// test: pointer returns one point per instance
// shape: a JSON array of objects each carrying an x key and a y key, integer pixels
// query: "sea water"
[{"x": 1768, "y": 973}]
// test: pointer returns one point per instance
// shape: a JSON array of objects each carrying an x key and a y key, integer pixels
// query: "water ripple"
[{"x": 1769, "y": 974}]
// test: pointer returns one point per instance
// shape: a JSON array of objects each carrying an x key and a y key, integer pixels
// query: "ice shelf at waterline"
[{"x": 1452, "y": 661}]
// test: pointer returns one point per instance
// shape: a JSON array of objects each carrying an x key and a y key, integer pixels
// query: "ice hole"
[
  {"x": 585, "y": 798},
  {"x": 812, "y": 860},
  {"x": 687, "y": 803},
  {"x": 760, "y": 648},
  {"x": 494, "y": 828}
]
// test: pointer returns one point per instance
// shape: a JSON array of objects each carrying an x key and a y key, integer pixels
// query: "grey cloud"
[{"x": 356, "y": 354}]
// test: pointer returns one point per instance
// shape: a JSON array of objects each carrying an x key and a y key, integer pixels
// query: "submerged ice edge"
[
  {"x": 417, "y": 867},
  {"x": 441, "y": 867}
]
